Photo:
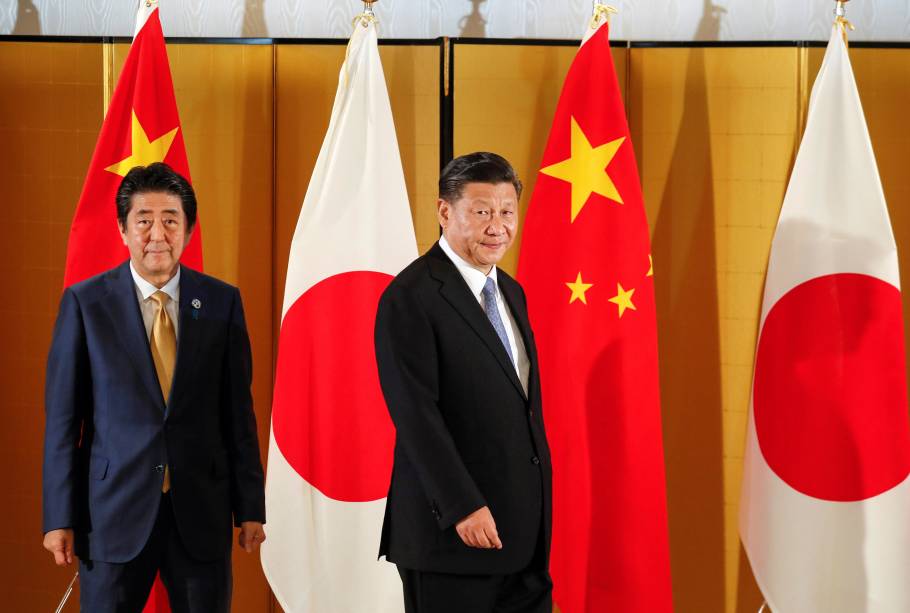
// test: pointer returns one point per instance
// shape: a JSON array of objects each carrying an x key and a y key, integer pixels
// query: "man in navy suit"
[{"x": 150, "y": 448}]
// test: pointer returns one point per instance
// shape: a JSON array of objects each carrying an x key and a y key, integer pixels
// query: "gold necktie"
[{"x": 163, "y": 342}]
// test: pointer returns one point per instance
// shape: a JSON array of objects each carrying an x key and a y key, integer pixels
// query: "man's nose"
[
  {"x": 157, "y": 233},
  {"x": 496, "y": 226}
]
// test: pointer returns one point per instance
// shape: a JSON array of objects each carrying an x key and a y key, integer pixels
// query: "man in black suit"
[
  {"x": 468, "y": 515},
  {"x": 150, "y": 447}
]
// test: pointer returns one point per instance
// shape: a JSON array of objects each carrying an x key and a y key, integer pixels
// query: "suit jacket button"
[{"x": 535, "y": 460}]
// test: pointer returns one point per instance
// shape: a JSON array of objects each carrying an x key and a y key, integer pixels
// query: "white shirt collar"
[
  {"x": 146, "y": 289},
  {"x": 474, "y": 278}
]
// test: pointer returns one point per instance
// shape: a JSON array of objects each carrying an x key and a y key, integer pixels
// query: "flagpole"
[
  {"x": 599, "y": 14},
  {"x": 840, "y": 18},
  {"x": 841, "y": 9},
  {"x": 66, "y": 596},
  {"x": 602, "y": 11},
  {"x": 367, "y": 16}
]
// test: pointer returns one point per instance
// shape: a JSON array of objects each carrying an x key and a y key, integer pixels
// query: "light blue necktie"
[{"x": 489, "y": 306}]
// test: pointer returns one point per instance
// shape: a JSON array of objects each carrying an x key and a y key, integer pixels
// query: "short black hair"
[
  {"x": 478, "y": 167},
  {"x": 157, "y": 178}
]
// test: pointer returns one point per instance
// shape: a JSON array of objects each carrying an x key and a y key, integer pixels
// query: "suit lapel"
[
  {"x": 511, "y": 292},
  {"x": 456, "y": 292},
  {"x": 126, "y": 319},
  {"x": 188, "y": 333}
]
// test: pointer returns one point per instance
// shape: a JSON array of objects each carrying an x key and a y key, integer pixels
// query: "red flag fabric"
[
  {"x": 141, "y": 127},
  {"x": 585, "y": 265}
]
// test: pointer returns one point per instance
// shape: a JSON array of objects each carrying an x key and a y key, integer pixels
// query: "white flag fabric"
[
  {"x": 142, "y": 15},
  {"x": 331, "y": 443},
  {"x": 825, "y": 508}
]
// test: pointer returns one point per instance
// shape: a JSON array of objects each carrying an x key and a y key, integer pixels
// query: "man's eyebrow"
[
  {"x": 148, "y": 211},
  {"x": 488, "y": 201}
]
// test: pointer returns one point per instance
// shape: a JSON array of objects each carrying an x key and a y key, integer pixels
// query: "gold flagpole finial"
[
  {"x": 367, "y": 16},
  {"x": 840, "y": 18},
  {"x": 602, "y": 13}
]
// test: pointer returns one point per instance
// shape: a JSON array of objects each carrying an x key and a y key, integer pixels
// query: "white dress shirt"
[
  {"x": 476, "y": 281},
  {"x": 149, "y": 307}
]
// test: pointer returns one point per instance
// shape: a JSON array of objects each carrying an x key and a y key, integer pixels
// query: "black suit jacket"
[
  {"x": 109, "y": 432},
  {"x": 467, "y": 436}
]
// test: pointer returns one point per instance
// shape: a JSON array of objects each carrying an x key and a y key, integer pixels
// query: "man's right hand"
[
  {"x": 479, "y": 530},
  {"x": 60, "y": 543}
]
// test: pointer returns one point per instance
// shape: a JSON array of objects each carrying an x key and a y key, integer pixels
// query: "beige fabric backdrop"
[{"x": 637, "y": 20}]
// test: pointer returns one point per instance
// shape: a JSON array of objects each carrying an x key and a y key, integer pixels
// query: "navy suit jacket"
[{"x": 109, "y": 431}]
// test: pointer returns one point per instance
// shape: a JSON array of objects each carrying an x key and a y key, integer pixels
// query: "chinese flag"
[
  {"x": 586, "y": 268},
  {"x": 141, "y": 127}
]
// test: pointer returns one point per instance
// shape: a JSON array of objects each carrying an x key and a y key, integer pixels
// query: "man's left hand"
[{"x": 251, "y": 535}]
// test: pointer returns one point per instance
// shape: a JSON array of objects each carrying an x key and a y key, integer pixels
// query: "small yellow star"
[
  {"x": 578, "y": 290},
  {"x": 650, "y": 266},
  {"x": 143, "y": 152},
  {"x": 623, "y": 299},
  {"x": 586, "y": 169}
]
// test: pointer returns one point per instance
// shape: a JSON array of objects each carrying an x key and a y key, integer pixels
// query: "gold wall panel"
[
  {"x": 504, "y": 99},
  {"x": 715, "y": 130},
  {"x": 307, "y": 78},
  {"x": 50, "y": 114},
  {"x": 225, "y": 97},
  {"x": 412, "y": 74}
]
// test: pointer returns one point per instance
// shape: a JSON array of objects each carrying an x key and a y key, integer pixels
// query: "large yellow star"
[
  {"x": 143, "y": 152},
  {"x": 586, "y": 169},
  {"x": 623, "y": 299},
  {"x": 578, "y": 290}
]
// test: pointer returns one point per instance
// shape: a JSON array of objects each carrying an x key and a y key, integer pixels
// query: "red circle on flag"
[
  {"x": 329, "y": 417},
  {"x": 830, "y": 393}
]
